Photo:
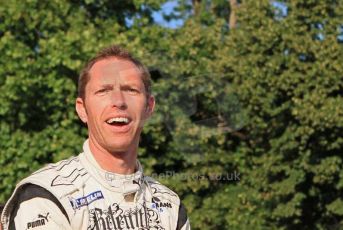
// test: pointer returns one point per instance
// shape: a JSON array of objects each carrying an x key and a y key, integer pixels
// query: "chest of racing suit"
[{"x": 81, "y": 195}]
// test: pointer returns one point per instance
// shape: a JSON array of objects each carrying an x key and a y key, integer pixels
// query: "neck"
[{"x": 117, "y": 162}]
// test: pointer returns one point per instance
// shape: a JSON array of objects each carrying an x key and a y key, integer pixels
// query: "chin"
[{"x": 118, "y": 147}]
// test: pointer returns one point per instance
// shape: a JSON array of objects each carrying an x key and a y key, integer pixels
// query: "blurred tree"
[
  {"x": 233, "y": 19},
  {"x": 286, "y": 69}
]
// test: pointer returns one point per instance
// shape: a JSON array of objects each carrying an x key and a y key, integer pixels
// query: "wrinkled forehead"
[{"x": 114, "y": 67}]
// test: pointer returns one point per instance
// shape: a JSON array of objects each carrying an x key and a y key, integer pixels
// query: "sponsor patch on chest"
[
  {"x": 86, "y": 200},
  {"x": 161, "y": 205}
]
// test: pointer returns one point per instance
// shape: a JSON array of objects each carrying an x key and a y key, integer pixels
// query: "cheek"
[
  {"x": 136, "y": 104},
  {"x": 95, "y": 108}
]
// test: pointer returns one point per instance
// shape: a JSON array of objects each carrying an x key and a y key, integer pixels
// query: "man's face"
[{"x": 115, "y": 105}]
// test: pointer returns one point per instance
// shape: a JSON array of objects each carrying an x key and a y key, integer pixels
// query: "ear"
[
  {"x": 150, "y": 106},
  {"x": 81, "y": 109}
]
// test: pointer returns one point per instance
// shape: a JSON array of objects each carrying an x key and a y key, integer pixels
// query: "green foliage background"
[{"x": 263, "y": 99}]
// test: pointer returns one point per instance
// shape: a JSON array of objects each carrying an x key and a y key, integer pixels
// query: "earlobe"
[
  {"x": 80, "y": 109},
  {"x": 151, "y": 105}
]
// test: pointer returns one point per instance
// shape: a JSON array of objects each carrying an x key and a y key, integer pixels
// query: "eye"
[
  {"x": 131, "y": 90},
  {"x": 102, "y": 91}
]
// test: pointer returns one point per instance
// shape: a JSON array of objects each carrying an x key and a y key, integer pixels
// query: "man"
[
  {"x": 103, "y": 187},
  {"x": 1, "y": 208}
]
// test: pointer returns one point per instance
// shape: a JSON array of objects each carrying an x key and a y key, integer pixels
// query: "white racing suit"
[{"x": 78, "y": 194}]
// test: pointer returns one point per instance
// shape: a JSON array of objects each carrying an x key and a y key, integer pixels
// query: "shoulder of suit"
[
  {"x": 161, "y": 191},
  {"x": 57, "y": 180},
  {"x": 63, "y": 174}
]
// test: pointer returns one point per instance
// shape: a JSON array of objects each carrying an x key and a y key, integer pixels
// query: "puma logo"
[
  {"x": 44, "y": 217},
  {"x": 40, "y": 222}
]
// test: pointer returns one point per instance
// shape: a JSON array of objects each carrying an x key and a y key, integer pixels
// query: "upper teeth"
[{"x": 118, "y": 119}]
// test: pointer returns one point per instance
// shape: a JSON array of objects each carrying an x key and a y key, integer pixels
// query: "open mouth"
[{"x": 118, "y": 121}]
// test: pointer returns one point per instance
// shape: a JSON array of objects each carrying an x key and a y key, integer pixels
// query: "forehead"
[{"x": 114, "y": 68}]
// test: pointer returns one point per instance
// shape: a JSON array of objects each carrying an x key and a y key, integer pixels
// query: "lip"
[
  {"x": 117, "y": 116},
  {"x": 119, "y": 129}
]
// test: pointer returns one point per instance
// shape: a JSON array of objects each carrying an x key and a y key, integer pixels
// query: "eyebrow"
[
  {"x": 107, "y": 86},
  {"x": 124, "y": 84}
]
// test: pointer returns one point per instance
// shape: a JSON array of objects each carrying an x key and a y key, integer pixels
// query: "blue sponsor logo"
[{"x": 86, "y": 200}]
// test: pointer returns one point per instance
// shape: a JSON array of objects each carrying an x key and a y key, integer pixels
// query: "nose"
[{"x": 118, "y": 99}]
